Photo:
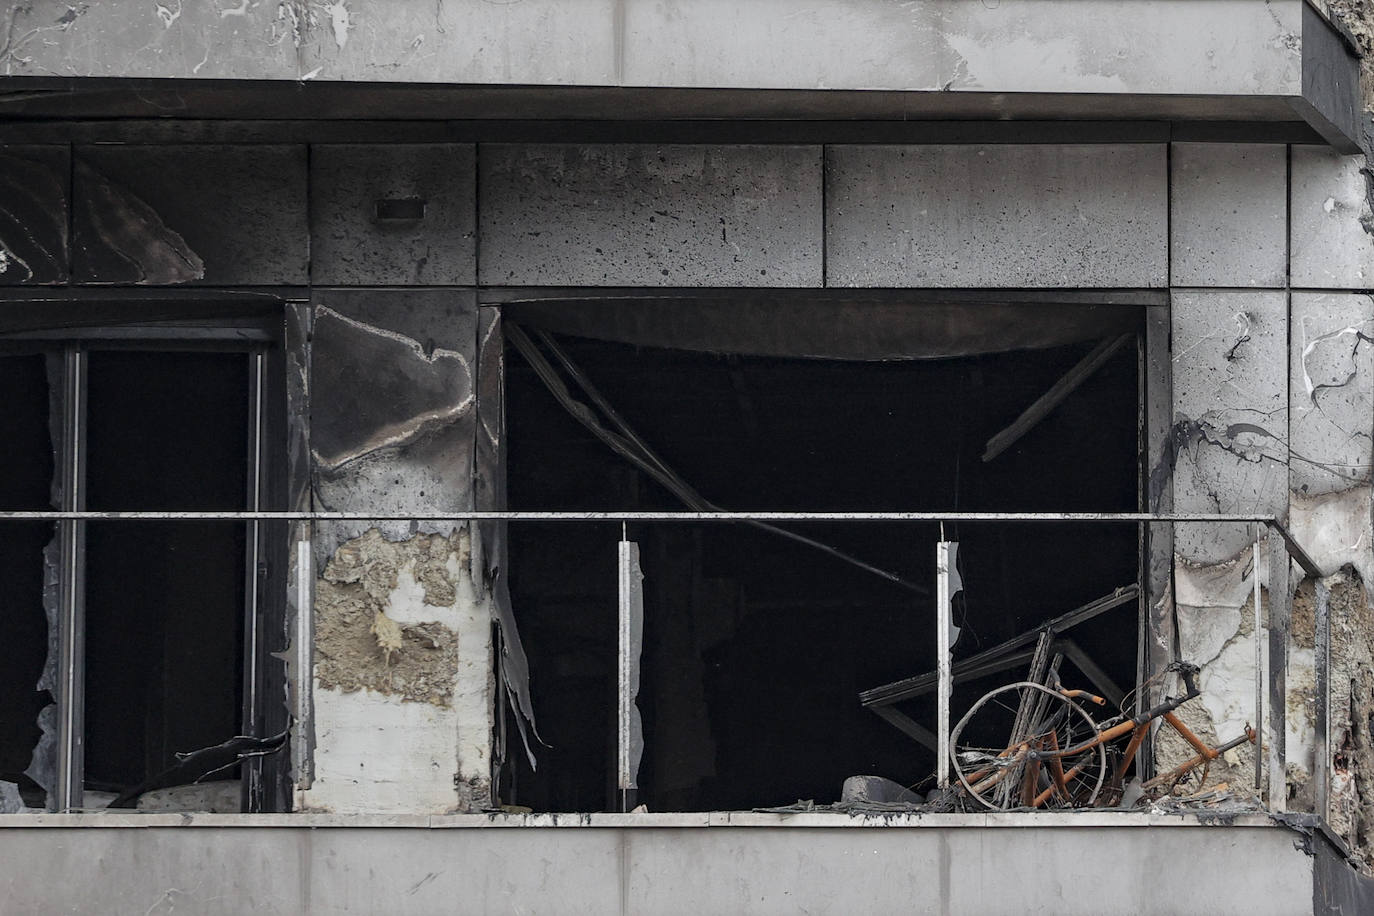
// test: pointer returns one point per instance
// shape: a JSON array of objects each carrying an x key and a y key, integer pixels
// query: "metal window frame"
[{"x": 136, "y": 323}]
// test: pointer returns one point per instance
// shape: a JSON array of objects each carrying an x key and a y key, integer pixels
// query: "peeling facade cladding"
[{"x": 391, "y": 256}]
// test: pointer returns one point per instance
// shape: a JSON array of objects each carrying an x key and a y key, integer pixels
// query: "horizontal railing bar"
[
  {"x": 540, "y": 516},
  {"x": 1295, "y": 549}
]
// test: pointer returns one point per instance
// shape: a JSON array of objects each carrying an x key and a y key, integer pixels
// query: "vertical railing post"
[
  {"x": 630, "y": 730},
  {"x": 71, "y": 624},
  {"x": 252, "y": 785},
  {"x": 304, "y": 649},
  {"x": 1280, "y": 621},
  {"x": 1261, "y": 682},
  {"x": 1322, "y": 650},
  {"x": 946, "y": 584}
]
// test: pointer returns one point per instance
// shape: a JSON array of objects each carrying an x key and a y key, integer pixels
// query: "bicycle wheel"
[{"x": 1022, "y": 746}]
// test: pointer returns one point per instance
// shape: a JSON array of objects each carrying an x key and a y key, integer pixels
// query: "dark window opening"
[
  {"x": 164, "y": 600},
  {"x": 26, "y": 467},
  {"x": 755, "y": 647},
  {"x": 167, "y": 658}
]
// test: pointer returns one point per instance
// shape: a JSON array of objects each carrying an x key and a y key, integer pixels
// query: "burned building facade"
[{"x": 362, "y": 364}]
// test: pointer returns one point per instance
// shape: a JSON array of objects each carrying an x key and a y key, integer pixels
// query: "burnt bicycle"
[{"x": 1031, "y": 745}]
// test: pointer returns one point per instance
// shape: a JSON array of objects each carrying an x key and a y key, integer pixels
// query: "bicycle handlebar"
[{"x": 1075, "y": 694}]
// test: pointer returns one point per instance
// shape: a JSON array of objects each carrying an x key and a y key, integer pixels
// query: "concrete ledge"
[
  {"x": 1231, "y": 60},
  {"x": 670, "y": 820},
  {"x": 1157, "y": 47},
  {"x": 1070, "y": 864}
]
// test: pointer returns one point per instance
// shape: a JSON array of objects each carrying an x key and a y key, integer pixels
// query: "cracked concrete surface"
[
  {"x": 1331, "y": 392},
  {"x": 1248, "y": 439},
  {"x": 1230, "y": 414},
  {"x": 1257, "y": 431}
]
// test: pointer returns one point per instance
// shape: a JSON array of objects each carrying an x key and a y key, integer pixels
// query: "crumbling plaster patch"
[
  {"x": 373, "y": 630},
  {"x": 1351, "y": 813},
  {"x": 1215, "y": 625},
  {"x": 1335, "y": 529},
  {"x": 403, "y": 678},
  {"x": 1216, "y": 633}
]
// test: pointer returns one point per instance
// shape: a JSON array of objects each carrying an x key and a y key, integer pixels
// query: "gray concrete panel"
[
  {"x": 1237, "y": 48},
  {"x": 353, "y": 242},
  {"x": 458, "y": 41},
  {"x": 1229, "y": 211},
  {"x": 968, "y": 871},
  {"x": 996, "y": 216},
  {"x": 224, "y": 215},
  {"x": 34, "y": 192},
  {"x": 1229, "y": 47},
  {"x": 639, "y": 215},
  {"x": 1331, "y": 244},
  {"x": 1230, "y": 427},
  {"x": 1331, "y": 392},
  {"x": 1181, "y": 867}
]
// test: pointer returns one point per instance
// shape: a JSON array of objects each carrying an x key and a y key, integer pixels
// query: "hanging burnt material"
[{"x": 625, "y": 442}]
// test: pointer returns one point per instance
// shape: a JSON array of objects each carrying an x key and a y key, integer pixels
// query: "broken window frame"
[{"x": 65, "y": 332}]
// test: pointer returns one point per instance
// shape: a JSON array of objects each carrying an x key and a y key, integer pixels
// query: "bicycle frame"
[{"x": 1136, "y": 726}]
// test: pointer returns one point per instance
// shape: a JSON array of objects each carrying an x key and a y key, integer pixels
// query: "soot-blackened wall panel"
[
  {"x": 393, "y": 215},
  {"x": 392, "y": 404},
  {"x": 34, "y": 191},
  {"x": 644, "y": 215},
  {"x": 221, "y": 215}
]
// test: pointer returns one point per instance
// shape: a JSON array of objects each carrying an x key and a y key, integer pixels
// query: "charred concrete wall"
[
  {"x": 1266, "y": 381},
  {"x": 403, "y": 669}
]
